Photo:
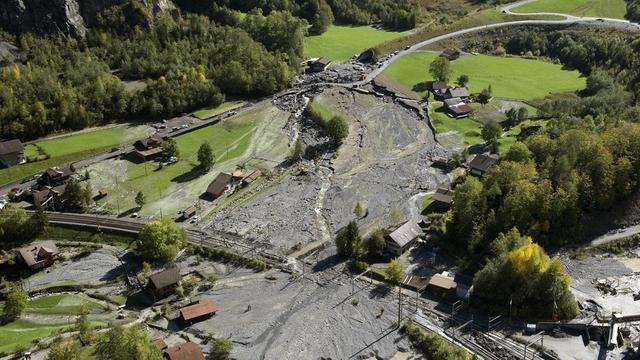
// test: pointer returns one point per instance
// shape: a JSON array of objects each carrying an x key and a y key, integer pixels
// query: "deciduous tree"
[{"x": 161, "y": 240}]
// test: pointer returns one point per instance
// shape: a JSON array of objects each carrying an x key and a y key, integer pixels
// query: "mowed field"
[
  {"x": 68, "y": 149},
  {"x": 509, "y": 77},
  {"x": 63, "y": 304},
  {"x": 340, "y": 43},
  {"x": 595, "y": 8},
  {"x": 211, "y": 112},
  {"x": 21, "y": 333}
]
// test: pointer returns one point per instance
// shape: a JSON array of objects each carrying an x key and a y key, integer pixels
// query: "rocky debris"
[{"x": 348, "y": 72}]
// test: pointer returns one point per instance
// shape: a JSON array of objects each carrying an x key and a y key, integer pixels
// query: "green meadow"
[
  {"x": 340, "y": 43},
  {"x": 594, "y": 8},
  {"x": 206, "y": 113}
]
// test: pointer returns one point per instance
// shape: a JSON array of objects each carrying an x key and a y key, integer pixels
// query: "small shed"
[
  {"x": 415, "y": 283},
  {"x": 55, "y": 176},
  {"x": 189, "y": 212},
  {"x": 442, "y": 285},
  {"x": 442, "y": 199},
  {"x": 251, "y": 178},
  {"x": 320, "y": 64},
  {"x": 163, "y": 283},
  {"x": 403, "y": 237},
  {"x": 450, "y": 54},
  {"x": 198, "y": 311},
  {"x": 186, "y": 351}
]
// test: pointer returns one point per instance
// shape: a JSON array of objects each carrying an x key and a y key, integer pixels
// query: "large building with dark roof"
[
  {"x": 38, "y": 255},
  {"x": 11, "y": 152},
  {"x": 403, "y": 237},
  {"x": 164, "y": 282}
]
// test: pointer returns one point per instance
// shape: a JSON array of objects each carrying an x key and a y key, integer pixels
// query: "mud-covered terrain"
[{"x": 382, "y": 164}]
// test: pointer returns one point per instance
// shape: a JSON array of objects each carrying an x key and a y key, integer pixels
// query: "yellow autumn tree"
[{"x": 529, "y": 258}]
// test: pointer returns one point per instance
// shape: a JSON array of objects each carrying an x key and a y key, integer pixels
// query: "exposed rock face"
[{"x": 61, "y": 16}]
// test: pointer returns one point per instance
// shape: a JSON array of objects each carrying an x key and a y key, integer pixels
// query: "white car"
[{"x": 194, "y": 219}]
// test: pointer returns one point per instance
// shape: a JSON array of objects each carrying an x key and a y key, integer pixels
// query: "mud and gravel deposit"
[
  {"x": 100, "y": 266},
  {"x": 291, "y": 319},
  {"x": 382, "y": 163}
]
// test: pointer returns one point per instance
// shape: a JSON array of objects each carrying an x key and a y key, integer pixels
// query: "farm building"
[
  {"x": 320, "y": 64},
  {"x": 439, "y": 88},
  {"x": 415, "y": 283},
  {"x": 251, "y": 178},
  {"x": 186, "y": 351},
  {"x": 457, "y": 108},
  {"x": 442, "y": 285},
  {"x": 148, "y": 143},
  {"x": 442, "y": 199},
  {"x": 219, "y": 185},
  {"x": 480, "y": 163},
  {"x": 164, "y": 282},
  {"x": 403, "y": 237},
  {"x": 38, "y": 255},
  {"x": 442, "y": 162},
  {"x": 55, "y": 176},
  {"x": 450, "y": 54},
  {"x": 189, "y": 212},
  {"x": 147, "y": 149},
  {"x": 456, "y": 92},
  {"x": 48, "y": 197},
  {"x": 11, "y": 152},
  {"x": 198, "y": 311}
]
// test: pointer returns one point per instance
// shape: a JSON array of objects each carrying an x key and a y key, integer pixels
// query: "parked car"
[{"x": 194, "y": 219}]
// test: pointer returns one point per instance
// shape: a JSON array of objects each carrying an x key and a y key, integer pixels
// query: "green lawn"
[
  {"x": 468, "y": 129},
  {"x": 426, "y": 201},
  {"x": 211, "y": 112},
  {"x": 22, "y": 333},
  {"x": 229, "y": 139},
  {"x": 63, "y": 304},
  {"x": 72, "y": 148},
  {"x": 594, "y": 8},
  {"x": 509, "y": 77},
  {"x": 340, "y": 43}
]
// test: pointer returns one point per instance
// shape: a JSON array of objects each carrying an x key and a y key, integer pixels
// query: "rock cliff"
[{"x": 61, "y": 16}]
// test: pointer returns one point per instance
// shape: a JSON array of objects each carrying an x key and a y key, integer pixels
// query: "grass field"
[
  {"x": 22, "y": 333},
  {"x": 63, "y": 304},
  {"x": 211, "y": 112},
  {"x": 340, "y": 43},
  {"x": 68, "y": 149},
  {"x": 509, "y": 77},
  {"x": 594, "y": 8},
  {"x": 229, "y": 139},
  {"x": 467, "y": 128},
  {"x": 511, "y": 136}
]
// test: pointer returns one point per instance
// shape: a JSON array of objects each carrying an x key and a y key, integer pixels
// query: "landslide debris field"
[{"x": 382, "y": 163}]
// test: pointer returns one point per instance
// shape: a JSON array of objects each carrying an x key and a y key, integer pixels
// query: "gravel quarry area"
[{"x": 287, "y": 318}]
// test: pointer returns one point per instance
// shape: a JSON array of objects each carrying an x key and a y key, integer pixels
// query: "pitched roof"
[
  {"x": 201, "y": 308},
  {"x": 252, "y": 177},
  {"x": 453, "y": 101},
  {"x": 35, "y": 252},
  {"x": 165, "y": 278},
  {"x": 323, "y": 61},
  {"x": 443, "y": 195},
  {"x": 219, "y": 184},
  {"x": 439, "y": 85},
  {"x": 482, "y": 162},
  {"x": 461, "y": 109},
  {"x": 443, "y": 282},
  {"x": 11, "y": 146},
  {"x": 186, "y": 351},
  {"x": 237, "y": 174},
  {"x": 55, "y": 172},
  {"x": 406, "y": 233},
  {"x": 458, "y": 92}
]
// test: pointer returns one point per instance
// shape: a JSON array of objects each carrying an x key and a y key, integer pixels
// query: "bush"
[
  {"x": 432, "y": 345},
  {"x": 227, "y": 256}
]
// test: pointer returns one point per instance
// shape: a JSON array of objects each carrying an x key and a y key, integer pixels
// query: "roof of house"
[
  {"x": 443, "y": 282},
  {"x": 55, "y": 172},
  {"x": 461, "y": 109},
  {"x": 415, "y": 282},
  {"x": 439, "y": 85},
  {"x": 165, "y": 278},
  {"x": 11, "y": 146},
  {"x": 406, "y": 233},
  {"x": 458, "y": 92},
  {"x": 35, "y": 252},
  {"x": 237, "y": 174},
  {"x": 252, "y": 177},
  {"x": 443, "y": 195},
  {"x": 482, "y": 162},
  {"x": 150, "y": 142},
  {"x": 453, "y": 101},
  {"x": 159, "y": 343},
  {"x": 190, "y": 210},
  {"x": 219, "y": 184},
  {"x": 186, "y": 351},
  {"x": 149, "y": 152},
  {"x": 198, "y": 309},
  {"x": 323, "y": 61}
]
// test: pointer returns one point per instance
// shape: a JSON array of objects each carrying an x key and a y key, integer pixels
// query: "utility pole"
[{"x": 399, "y": 305}]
